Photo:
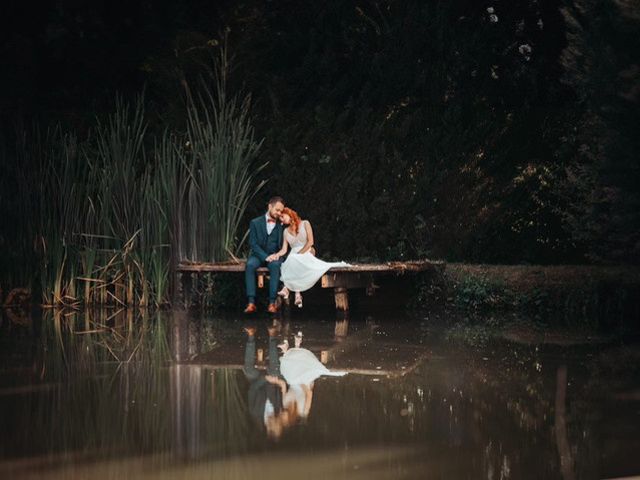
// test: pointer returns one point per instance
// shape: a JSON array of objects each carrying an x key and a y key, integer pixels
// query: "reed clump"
[{"x": 104, "y": 217}]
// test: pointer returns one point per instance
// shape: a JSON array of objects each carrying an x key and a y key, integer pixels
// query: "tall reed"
[
  {"x": 111, "y": 213},
  {"x": 221, "y": 150}
]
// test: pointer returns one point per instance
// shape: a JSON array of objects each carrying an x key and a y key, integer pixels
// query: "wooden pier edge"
[{"x": 340, "y": 279}]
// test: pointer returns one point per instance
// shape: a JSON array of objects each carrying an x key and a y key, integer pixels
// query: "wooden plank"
[
  {"x": 349, "y": 370},
  {"x": 389, "y": 267},
  {"x": 215, "y": 267},
  {"x": 346, "y": 279}
]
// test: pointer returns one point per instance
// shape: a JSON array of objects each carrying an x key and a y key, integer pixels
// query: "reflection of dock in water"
[
  {"x": 383, "y": 369},
  {"x": 360, "y": 352},
  {"x": 201, "y": 371}
]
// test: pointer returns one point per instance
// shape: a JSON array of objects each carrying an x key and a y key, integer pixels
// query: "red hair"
[{"x": 295, "y": 219}]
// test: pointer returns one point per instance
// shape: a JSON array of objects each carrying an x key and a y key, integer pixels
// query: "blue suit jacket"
[{"x": 259, "y": 239}]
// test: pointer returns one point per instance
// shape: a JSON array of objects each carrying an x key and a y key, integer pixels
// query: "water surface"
[{"x": 126, "y": 395}]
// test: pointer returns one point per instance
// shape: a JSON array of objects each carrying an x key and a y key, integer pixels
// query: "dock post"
[
  {"x": 342, "y": 326},
  {"x": 187, "y": 289},
  {"x": 177, "y": 294},
  {"x": 342, "y": 298}
]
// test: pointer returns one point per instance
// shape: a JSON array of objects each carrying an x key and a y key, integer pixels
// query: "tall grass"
[
  {"x": 104, "y": 218},
  {"x": 220, "y": 148}
]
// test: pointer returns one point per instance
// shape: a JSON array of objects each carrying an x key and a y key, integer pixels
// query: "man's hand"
[{"x": 272, "y": 258}]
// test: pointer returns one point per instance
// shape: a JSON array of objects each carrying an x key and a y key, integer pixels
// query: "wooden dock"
[{"x": 340, "y": 279}]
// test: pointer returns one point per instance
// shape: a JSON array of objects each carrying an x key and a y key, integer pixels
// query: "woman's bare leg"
[{"x": 284, "y": 293}]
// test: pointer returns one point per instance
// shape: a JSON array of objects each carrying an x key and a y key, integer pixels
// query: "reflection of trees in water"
[
  {"x": 499, "y": 415},
  {"x": 207, "y": 412},
  {"x": 185, "y": 336},
  {"x": 511, "y": 396},
  {"x": 227, "y": 420},
  {"x": 112, "y": 392},
  {"x": 551, "y": 406},
  {"x": 110, "y": 385},
  {"x": 78, "y": 342},
  {"x": 560, "y": 428},
  {"x": 186, "y": 409},
  {"x": 598, "y": 411}
]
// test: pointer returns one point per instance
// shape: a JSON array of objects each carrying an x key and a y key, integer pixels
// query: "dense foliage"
[{"x": 476, "y": 131}]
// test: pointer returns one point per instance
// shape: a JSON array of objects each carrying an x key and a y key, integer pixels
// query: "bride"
[
  {"x": 300, "y": 369},
  {"x": 301, "y": 270}
]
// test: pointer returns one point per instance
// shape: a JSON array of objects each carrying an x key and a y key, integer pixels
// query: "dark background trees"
[{"x": 473, "y": 131}]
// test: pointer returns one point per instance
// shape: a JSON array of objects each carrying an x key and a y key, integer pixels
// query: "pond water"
[{"x": 125, "y": 395}]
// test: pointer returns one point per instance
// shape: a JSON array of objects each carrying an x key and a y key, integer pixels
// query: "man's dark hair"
[{"x": 276, "y": 199}]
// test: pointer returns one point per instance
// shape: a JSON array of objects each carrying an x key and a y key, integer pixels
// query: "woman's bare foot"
[
  {"x": 298, "y": 300},
  {"x": 284, "y": 346},
  {"x": 284, "y": 293}
]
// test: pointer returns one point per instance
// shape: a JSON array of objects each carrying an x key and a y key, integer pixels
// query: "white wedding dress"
[
  {"x": 300, "y": 272},
  {"x": 300, "y": 366}
]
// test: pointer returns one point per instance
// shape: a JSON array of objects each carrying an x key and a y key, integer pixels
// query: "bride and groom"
[
  {"x": 270, "y": 237},
  {"x": 281, "y": 396}
]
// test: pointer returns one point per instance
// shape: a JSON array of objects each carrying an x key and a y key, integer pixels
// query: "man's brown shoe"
[
  {"x": 251, "y": 308},
  {"x": 273, "y": 308}
]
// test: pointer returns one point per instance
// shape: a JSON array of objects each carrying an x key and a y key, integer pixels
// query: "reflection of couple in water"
[{"x": 281, "y": 397}]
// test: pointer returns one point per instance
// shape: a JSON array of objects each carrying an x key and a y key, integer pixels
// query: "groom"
[{"x": 265, "y": 239}]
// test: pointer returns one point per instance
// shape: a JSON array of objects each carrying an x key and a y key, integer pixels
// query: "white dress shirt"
[{"x": 270, "y": 226}]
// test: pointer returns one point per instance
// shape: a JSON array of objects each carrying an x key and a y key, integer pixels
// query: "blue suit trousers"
[{"x": 253, "y": 263}]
